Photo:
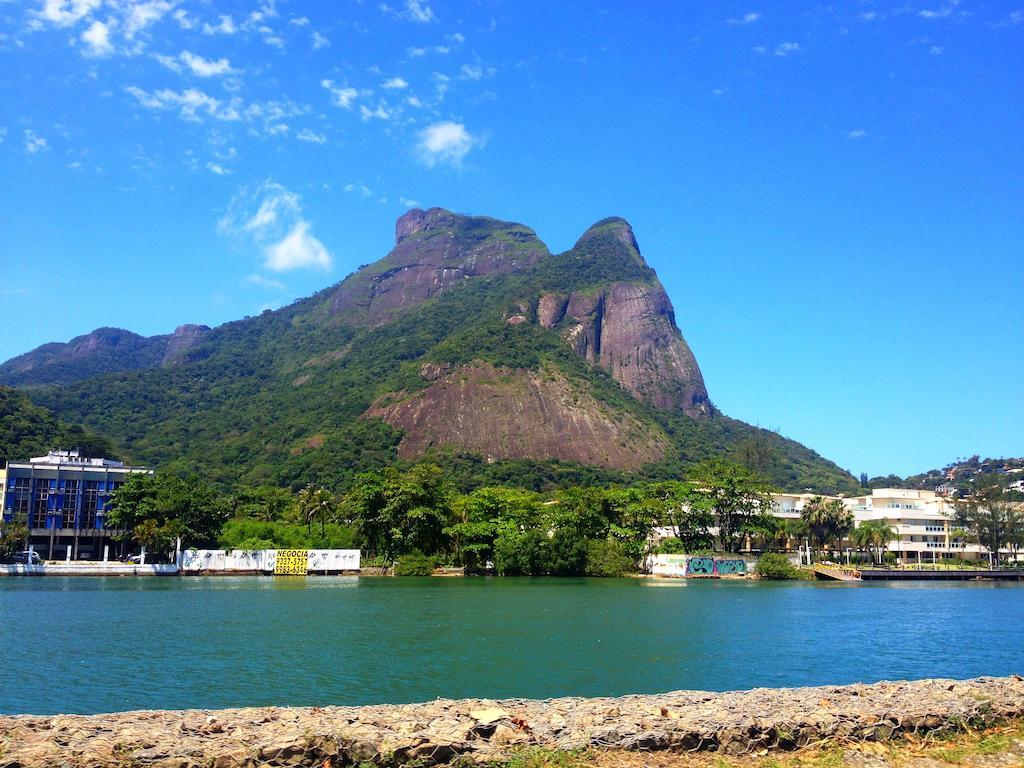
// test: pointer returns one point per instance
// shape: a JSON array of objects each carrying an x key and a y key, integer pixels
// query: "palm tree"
[
  {"x": 874, "y": 534},
  {"x": 316, "y": 503}
]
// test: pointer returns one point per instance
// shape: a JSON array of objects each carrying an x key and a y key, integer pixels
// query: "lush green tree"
[
  {"x": 608, "y": 558},
  {"x": 633, "y": 511},
  {"x": 874, "y": 535},
  {"x": 316, "y": 504},
  {"x": 264, "y": 503},
  {"x": 827, "y": 520},
  {"x": 583, "y": 511},
  {"x": 245, "y": 533},
  {"x": 522, "y": 554},
  {"x": 788, "y": 530},
  {"x": 13, "y": 536},
  {"x": 187, "y": 507},
  {"x": 733, "y": 493},
  {"x": 398, "y": 512},
  {"x": 568, "y": 553},
  {"x": 989, "y": 518},
  {"x": 481, "y": 515},
  {"x": 687, "y": 510}
]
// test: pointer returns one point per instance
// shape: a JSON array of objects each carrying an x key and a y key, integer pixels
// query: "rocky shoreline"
[{"x": 478, "y": 731}]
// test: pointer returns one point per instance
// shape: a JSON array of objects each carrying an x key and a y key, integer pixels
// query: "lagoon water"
[{"x": 87, "y": 645}]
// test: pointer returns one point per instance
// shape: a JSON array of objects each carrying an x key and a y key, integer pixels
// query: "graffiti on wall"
[
  {"x": 700, "y": 566},
  {"x": 709, "y": 566},
  {"x": 730, "y": 567}
]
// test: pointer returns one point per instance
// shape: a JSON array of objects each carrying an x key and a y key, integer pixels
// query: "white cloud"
[
  {"x": 171, "y": 62},
  {"x": 382, "y": 112},
  {"x": 206, "y": 67},
  {"x": 226, "y": 26},
  {"x": 784, "y": 49},
  {"x": 33, "y": 143},
  {"x": 301, "y": 21},
  {"x": 413, "y": 101},
  {"x": 296, "y": 250},
  {"x": 362, "y": 189},
  {"x": 218, "y": 169},
  {"x": 144, "y": 14},
  {"x": 319, "y": 41},
  {"x": 760, "y": 49},
  {"x": 417, "y": 52},
  {"x": 97, "y": 37},
  {"x": 747, "y": 18},
  {"x": 419, "y": 12},
  {"x": 64, "y": 13},
  {"x": 313, "y": 138},
  {"x": 395, "y": 83},
  {"x": 278, "y": 227},
  {"x": 342, "y": 96},
  {"x": 191, "y": 102},
  {"x": 936, "y": 50},
  {"x": 445, "y": 143},
  {"x": 265, "y": 282},
  {"x": 868, "y": 15},
  {"x": 184, "y": 20},
  {"x": 409, "y": 203},
  {"x": 857, "y": 133},
  {"x": 270, "y": 37},
  {"x": 471, "y": 72},
  {"x": 457, "y": 38},
  {"x": 939, "y": 13}
]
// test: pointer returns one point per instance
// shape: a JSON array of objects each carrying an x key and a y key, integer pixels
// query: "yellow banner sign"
[{"x": 291, "y": 562}]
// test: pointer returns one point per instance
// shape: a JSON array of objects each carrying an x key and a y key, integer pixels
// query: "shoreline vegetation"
[
  {"x": 882, "y": 723},
  {"x": 414, "y": 521}
]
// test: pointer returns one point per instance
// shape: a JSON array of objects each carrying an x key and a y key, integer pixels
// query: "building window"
[
  {"x": 42, "y": 499},
  {"x": 90, "y": 503},
  {"x": 21, "y": 498},
  {"x": 69, "y": 504}
]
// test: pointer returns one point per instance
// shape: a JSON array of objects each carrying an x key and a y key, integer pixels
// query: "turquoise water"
[{"x": 105, "y": 644}]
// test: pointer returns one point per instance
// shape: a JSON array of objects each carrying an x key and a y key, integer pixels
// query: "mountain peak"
[
  {"x": 416, "y": 219},
  {"x": 613, "y": 228}
]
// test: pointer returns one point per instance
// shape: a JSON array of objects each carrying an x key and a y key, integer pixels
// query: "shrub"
[
  {"x": 568, "y": 554},
  {"x": 522, "y": 554},
  {"x": 772, "y": 565},
  {"x": 671, "y": 546},
  {"x": 414, "y": 564},
  {"x": 607, "y": 558}
]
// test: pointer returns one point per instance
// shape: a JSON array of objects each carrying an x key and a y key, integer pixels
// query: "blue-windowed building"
[{"x": 62, "y": 498}]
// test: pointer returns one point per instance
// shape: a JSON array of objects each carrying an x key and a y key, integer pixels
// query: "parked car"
[{"x": 27, "y": 557}]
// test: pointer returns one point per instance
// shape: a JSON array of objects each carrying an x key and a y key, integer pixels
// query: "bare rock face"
[
  {"x": 629, "y": 329},
  {"x": 518, "y": 414},
  {"x": 434, "y": 251},
  {"x": 184, "y": 338}
]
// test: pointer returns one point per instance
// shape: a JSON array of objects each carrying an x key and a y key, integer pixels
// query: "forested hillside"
[{"x": 557, "y": 369}]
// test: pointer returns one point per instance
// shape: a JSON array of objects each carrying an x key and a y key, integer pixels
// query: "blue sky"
[{"x": 832, "y": 195}]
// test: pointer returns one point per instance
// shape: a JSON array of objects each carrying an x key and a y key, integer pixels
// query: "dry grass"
[{"x": 1000, "y": 746}]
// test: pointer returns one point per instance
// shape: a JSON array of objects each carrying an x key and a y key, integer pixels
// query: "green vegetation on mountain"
[
  {"x": 282, "y": 398},
  {"x": 28, "y": 430}
]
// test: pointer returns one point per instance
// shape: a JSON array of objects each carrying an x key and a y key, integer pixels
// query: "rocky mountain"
[
  {"x": 102, "y": 351},
  {"x": 470, "y": 344}
]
